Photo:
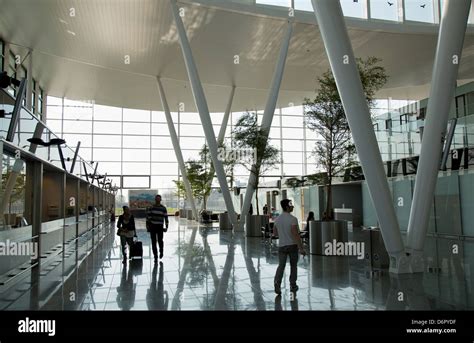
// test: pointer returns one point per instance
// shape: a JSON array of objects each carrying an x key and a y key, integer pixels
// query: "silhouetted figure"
[
  {"x": 126, "y": 231},
  {"x": 156, "y": 298},
  {"x": 126, "y": 290},
  {"x": 156, "y": 224},
  {"x": 251, "y": 209},
  {"x": 305, "y": 233}
]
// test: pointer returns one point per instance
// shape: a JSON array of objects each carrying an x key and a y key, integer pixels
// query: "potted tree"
[
  {"x": 200, "y": 173},
  {"x": 334, "y": 150},
  {"x": 248, "y": 136}
]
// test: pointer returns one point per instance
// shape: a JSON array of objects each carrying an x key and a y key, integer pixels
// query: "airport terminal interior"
[{"x": 360, "y": 112}]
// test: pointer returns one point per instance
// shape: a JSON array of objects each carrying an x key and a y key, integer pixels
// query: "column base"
[
  {"x": 399, "y": 263},
  {"x": 417, "y": 262},
  {"x": 239, "y": 226}
]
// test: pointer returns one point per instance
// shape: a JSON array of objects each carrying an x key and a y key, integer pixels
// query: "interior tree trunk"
[{"x": 329, "y": 215}]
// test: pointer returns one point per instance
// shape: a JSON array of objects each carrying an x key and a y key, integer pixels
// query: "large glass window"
[
  {"x": 2, "y": 55},
  {"x": 303, "y": 5},
  {"x": 120, "y": 139},
  {"x": 33, "y": 96},
  {"x": 40, "y": 101},
  {"x": 384, "y": 10},
  {"x": 419, "y": 10},
  {"x": 283, "y": 3},
  {"x": 357, "y": 9}
]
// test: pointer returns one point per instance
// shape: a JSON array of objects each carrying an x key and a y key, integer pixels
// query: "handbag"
[{"x": 125, "y": 233}]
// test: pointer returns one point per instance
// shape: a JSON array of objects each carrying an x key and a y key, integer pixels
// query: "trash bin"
[
  {"x": 345, "y": 214},
  {"x": 254, "y": 224},
  {"x": 224, "y": 221},
  {"x": 183, "y": 213},
  {"x": 190, "y": 215},
  {"x": 315, "y": 238},
  {"x": 322, "y": 232},
  {"x": 376, "y": 255}
]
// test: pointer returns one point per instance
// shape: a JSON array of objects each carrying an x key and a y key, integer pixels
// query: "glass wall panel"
[
  {"x": 108, "y": 127},
  {"x": 466, "y": 185},
  {"x": 112, "y": 155},
  {"x": 283, "y": 3},
  {"x": 192, "y": 130},
  {"x": 384, "y": 10},
  {"x": 78, "y": 113},
  {"x": 164, "y": 168},
  {"x": 190, "y": 118},
  {"x": 131, "y": 168},
  {"x": 357, "y": 9},
  {"x": 419, "y": 10},
  {"x": 161, "y": 142},
  {"x": 161, "y": 129},
  {"x": 107, "y": 141},
  {"x": 77, "y": 126},
  {"x": 54, "y": 112},
  {"x": 303, "y": 5},
  {"x": 164, "y": 155},
  {"x": 86, "y": 141},
  {"x": 136, "y": 181},
  {"x": 107, "y": 113},
  {"x": 136, "y": 115},
  {"x": 136, "y": 142},
  {"x": 136, "y": 129},
  {"x": 136, "y": 155},
  {"x": 447, "y": 205}
]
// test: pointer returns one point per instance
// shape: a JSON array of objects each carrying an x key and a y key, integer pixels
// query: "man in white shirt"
[{"x": 289, "y": 244}]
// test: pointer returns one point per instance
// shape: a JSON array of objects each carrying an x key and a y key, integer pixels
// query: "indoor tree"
[
  {"x": 200, "y": 173},
  {"x": 248, "y": 136},
  {"x": 334, "y": 150}
]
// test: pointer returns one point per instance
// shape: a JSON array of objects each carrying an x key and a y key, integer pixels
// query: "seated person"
[
  {"x": 305, "y": 232},
  {"x": 205, "y": 217}
]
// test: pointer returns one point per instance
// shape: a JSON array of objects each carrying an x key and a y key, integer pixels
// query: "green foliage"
[
  {"x": 200, "y": 173},
  {"x": 335, "y": 151},
  {"x": 247, "y": 135},
  {"x": 198, "y": 176}
]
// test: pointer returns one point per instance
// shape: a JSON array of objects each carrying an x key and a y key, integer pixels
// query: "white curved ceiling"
[{"x": 82, "y": 57}]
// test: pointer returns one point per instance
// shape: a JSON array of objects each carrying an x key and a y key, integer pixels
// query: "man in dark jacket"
[{"x": 156, "y": 224}]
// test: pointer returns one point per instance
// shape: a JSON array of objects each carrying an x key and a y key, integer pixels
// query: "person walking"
[
  {"x": 289, "y": 244},
  {"x": 156, "y": 225},
  {"x": 126, "y": 231}
]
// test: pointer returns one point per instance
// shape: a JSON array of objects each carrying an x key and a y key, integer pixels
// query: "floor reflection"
[{"x": 208, "y": 269}]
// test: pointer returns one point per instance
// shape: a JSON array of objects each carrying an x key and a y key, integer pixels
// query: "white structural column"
[
  {"x": 177, "y": 148},
  {"x": 221, "y": 136},
  {"x": 341, "y": 58},
  {"x": 203, "y": 110},
  {"x": 267, "y": 118},
  {"x": 448, "y": 54}
]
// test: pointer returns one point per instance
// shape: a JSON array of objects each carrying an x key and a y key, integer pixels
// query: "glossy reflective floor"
[{"x": 207, "y": 269}]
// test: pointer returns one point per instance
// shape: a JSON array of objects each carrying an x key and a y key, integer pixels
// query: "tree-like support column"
[
  {"x": 267, "y": 119},
  {"x": 203, "y": 109},
  {"x": 445, "y": 71},
  {"x": 344, "y": 67},
  {"x": 221, "y": 136},
  {"x": 177, "y": 148}
]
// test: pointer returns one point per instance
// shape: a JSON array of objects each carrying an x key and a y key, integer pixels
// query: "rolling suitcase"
[{"x": 136, "y": 250}]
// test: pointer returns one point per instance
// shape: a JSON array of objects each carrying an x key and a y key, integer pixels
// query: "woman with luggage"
[{"x": 126, "y": 231}]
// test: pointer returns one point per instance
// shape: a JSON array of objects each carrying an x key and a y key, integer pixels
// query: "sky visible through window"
[{"x": 415, "y": 10}]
